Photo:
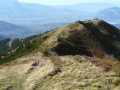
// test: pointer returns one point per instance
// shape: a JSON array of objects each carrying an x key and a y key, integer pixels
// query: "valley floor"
[{"x": 56, "y": 73}]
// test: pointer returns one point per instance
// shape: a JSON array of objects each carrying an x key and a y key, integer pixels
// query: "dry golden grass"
[{"x": 36, "y": 72}]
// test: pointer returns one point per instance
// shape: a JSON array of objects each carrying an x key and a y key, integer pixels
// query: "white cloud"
[{"x": 61, "y": 2}]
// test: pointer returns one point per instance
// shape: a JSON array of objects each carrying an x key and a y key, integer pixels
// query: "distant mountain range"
[
  {"x": 19, "y": 12},
  {"x": 2, "y": 37},
  {"x": 117, "y": 25},
  {"x": 89, "y": 7},
  {"x": 13, "y": 31},
  {"x": 110, "y": 14}
]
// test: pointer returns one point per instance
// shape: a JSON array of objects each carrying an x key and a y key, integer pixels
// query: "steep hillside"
[
  {"x": 13, "y": 31},
  {"x": 92, "y": 38}
]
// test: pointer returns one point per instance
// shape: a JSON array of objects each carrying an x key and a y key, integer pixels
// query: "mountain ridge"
[
  {"x": 92, "y": 38},
  {"x": 84, "y": 27}
]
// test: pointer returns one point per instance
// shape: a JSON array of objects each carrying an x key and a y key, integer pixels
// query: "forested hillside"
[{"x": 18, "y": 47}]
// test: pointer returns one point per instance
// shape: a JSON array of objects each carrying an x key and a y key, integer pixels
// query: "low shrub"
[
  {"x": 106, "y": 64},
  {"x": 109, "y": 57},
  {"x": 56, "y": 60},
  {"x": 116, "y": 68},
  {"x": 93, "y": 61},
  {"x": 79, "y": 58},
  {"x": 106, "y": 67}
]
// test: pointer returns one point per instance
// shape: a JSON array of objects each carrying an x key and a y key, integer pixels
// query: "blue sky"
[{"x": 64, "y": 2}]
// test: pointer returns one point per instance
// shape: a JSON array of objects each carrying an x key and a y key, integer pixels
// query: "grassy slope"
[{"x": 35, "y": 72}]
